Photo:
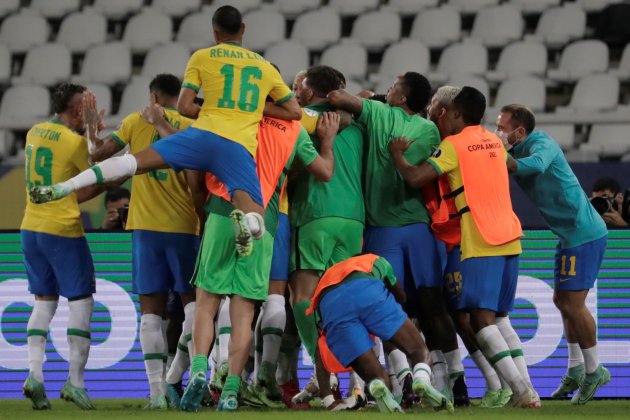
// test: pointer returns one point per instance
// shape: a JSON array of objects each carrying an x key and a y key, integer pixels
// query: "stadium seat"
[
  {"x": 477, "y": 82},
  {"x": 55, "y": 8},
  {"x": 166, "y": 58},
  {"x": 45, "y": 64},
  {"x": 195, "y": 31},
  {"x": 593, "y": 93},
  {"x": 582, "y": 156},
  {"x": 411, "y": 7},
  {"x": 382, "y": 86},
  {"x": 563, "y": 134},
  {"x": 533, "y": 6},
  {"x": 81, "y": 30},
  {"x": 354, "y": 7},
  {"x": 350, "y": 59},
  {"x": 117, "y": 9},
  {"x": 317, "y": 29},
  {"x": 147, "y": 30},
  {"x": 437, "y": 28},
  {"x": 623, "y": 69},
  {"x": 103, "y": 96},
  {"x": 107, "y": 63},
  {"x": 293, "y": 8},
  {"x": 8, "y": 6},
  {"x": 290, "y": 57},
  {"x": 579, "y": 59},
  {"x": 461, "y": 58},
  {"x": 263, "y": 28},
  {"x": 526, "y": 90},
  {"x": 176, "y": 8},
  {"x": 5, "y": 65},
  {"x": 559, "y": 25},
  {"x": 402, "y": 57},
  {"x": 595, "y": 5},
  {"x": 497, "y": 26},
  {"x": 23, "y": 106},
  {"x": 375, "y": 30},
  {"x": 472, "y": 6},
  {"x": 22, "y": 31},
  {"x": 520, "y": 58},
  {"x": 353, "y": 87},
  {"x": 6, "y": 143},
  {"x": 134, "y": 98},
  {"x": 608, "y": 139},
  {"x": 242, "y": 5}
]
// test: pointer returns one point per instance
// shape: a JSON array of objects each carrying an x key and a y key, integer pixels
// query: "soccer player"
[
  {"x": 222, "y": 272},
  {"x": 164, "y": 228},
  {"x": 358, "y": 297},
  {"x": 490, "y": 231},
  {"x": 56, "y": 254},
  {"x": 397, "y": 222},
  {"x": 541, "y": 169},
  {"x": 222, "y": 141}
]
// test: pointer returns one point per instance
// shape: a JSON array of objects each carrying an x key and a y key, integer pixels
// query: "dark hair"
[
  {"x": 417, "y": 90},
  {"x": 63, "y": 95},
  {"x": 521, "y": 115},
  {"x": 116, "y": 194},
  {"x": 324, "y": 79},
  {"x": 167, "y": 84},
  {"x": 227, "y": 19},
  {"x": 607, "y": 183},
  {"x": 471, "y": 104}
]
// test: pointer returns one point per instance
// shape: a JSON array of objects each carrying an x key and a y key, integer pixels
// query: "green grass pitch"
[{"x": 117, "y": 408}]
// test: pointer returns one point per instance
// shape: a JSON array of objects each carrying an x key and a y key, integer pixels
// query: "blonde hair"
[{"x": 446, "y": 94}]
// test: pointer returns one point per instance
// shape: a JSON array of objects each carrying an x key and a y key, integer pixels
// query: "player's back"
[
  {"x": 54, "y": 153},
  {"x": 235, "y": 82},
  {"x": 160, "y": 199}
]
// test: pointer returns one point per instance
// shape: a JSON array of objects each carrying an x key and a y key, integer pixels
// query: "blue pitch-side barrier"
[{"x": 116, "y": 368}]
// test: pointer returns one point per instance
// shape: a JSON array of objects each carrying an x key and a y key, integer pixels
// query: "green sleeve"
[
  {"x": 424, "y": 146},
  {"x": 305, "y": 150},
  {"x": 371, "y": 112},
  {"x": 384, "y": 271}
]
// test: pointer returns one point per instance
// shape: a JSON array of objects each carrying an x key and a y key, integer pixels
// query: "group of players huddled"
[{"x": 386, "y": 215}]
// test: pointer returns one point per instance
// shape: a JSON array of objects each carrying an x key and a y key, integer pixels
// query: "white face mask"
[{"x": 504, "y": 138}]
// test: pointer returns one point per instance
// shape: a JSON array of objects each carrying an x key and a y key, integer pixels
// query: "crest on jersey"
[
  {"x": 436, "y": 153},
  {"x": 310, "y": 112}
]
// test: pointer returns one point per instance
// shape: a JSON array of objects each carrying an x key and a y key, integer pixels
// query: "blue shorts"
[
  {"x": 58, "y": 266},
  {"x": 576, "y": 268},
  {"x": 489, "y": 283},
  {"x": 412, "y": 250},
  {"x": 453, "y": 278},
  {"x": 205, "y": 151},
  {"x": 355, "y": 309},
  {"x": 281, "y": 250},
  {"x": 162, "y": 261}
]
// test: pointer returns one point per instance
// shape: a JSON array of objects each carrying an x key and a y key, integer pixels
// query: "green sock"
[
  {"x": 231, "y": 387},
  {"x": 306, "y": 326},
  {"x": 199, "y": 364}
]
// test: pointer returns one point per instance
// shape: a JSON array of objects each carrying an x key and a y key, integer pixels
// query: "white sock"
[
  {"x": 187, "y": 328},
  {"x": 225, "y": 330},
  {"x": 169, "y": 361},
  {"x": 256, "y": 224},
  {"x": 422, "y": 373},
  {"x": 455, "y": 365},
  {"x": 576, "y": 358},
  {"x": 591, "y": 359},
  {"x": 496, "y": 350},
  {"x": 109, "y": 170},
  {"x": 378, "y": 346},
  {"x": 152, "y": 342},
  {"x": 504, "y": 383},
  {"x": 398, "y": 365},
  {"x": 356, "y": 382},
  {"x": 181, "y": 362},
  {"x": 164, "y": 352},
  {"x": 285, "y": 358},
  {"x": 440, "y": 370},
  {"x": 514, "y": 343},
  {"x": 492, "y": 379},
  {"x": 79, "y": 338},
  {"x": 37, "y": 332},
  {"x": 274, "y": 319}
]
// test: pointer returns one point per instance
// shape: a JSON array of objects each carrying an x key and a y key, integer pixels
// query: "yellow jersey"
[
  {"x": 445, "y": 161},
  {"x": 309, "y": 120},
  {"x": 235, "y": 83},
  {"x": 160, "y": 199},
  {"x": 54, "y": 153}
]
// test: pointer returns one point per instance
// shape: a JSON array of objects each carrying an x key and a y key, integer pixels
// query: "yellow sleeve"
[
  {"x": 280, "y": 92},
  {"x": 185, "y": 122},
  {"x": 192, "y": 76},
  {"x": 309, "y": 120},
  {"x": 444, "y": 159},
  {"x": 123, "y": 134}
]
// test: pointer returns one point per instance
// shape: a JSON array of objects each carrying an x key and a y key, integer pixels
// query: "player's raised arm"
[
  {"x": 99, "y": 149},
  {"x": 343, "y": 100},
  {"x": 323, "y": 167},
  {"x": 186, "y": 104},
  {"x": 288, "y": 110},
  {"x": 415, "y": 176}
]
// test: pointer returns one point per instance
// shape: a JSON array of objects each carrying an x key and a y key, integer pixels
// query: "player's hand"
[
  {"x": 328, "y": 126},
  {"x": 614, "y": 218},
  {"x": 399, "y": 145},
  {"x": 91, "y": 116},
  {"x": 153, "y": 113},
  {"x": 112, "y": 220}
]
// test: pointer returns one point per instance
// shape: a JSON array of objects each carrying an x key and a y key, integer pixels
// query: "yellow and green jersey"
[
  {"x": 235, "y": 83},
  {"x": 54, "y": 153},
  {"x": 160, "y": 199}
]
